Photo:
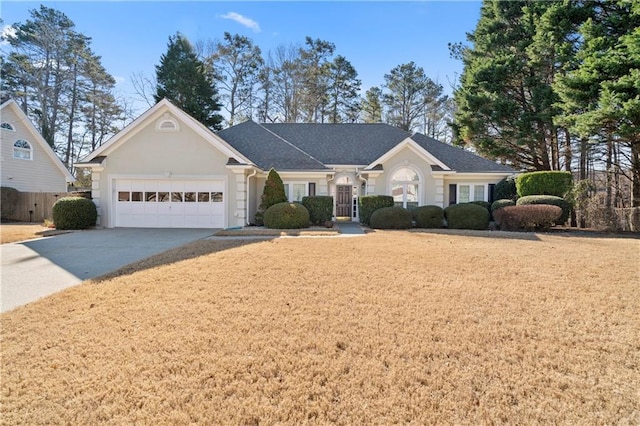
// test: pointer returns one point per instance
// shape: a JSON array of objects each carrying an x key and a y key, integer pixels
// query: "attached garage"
[{"x": 169, "y": 203}]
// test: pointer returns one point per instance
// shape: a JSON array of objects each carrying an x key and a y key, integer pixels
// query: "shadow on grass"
[
  {"x": 179, "y": 254},
  {"x": 528, "y": 236}
]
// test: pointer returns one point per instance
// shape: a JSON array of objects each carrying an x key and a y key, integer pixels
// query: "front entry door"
[{"x": 343, "y": 201}]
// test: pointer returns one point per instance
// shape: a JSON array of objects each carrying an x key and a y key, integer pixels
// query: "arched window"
[
  {"x": 167, "y": 124},
  {"x": 22, "y": 149},
  {"x": 405, "y": 185},
  {"x": 7, "y": 126}
]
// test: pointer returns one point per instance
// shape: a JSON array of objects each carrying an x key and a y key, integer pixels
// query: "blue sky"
[{"x": 374, "y": 36}]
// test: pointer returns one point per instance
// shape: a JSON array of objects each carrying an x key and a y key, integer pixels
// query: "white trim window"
[
  {"x": 471, "y": 192},
  {"x": 22, "y": 150},
  {"x": 296, "y": 190},
  {"x": 405, "y": 187},
  {"x": 7, "y": 126}
]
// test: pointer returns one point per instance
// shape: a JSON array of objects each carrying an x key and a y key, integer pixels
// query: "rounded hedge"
[
  {"x": 367, "y": 204},
  {"x": 391, "y": 218},
  {"x": 74, "y": 213},
  {"x": 286, "y": 216},
  {"x": 428, "y": 216},
  {"x": 9, "y": 201},
  {"x": 544, "y": 183},
  {"x": 467, "y": 216},
  {"x": 498, "y": 204},
  {"x": 320, "y": 208},
  {"x": 551, "y": 200},
  {"x": 528, "y": 217}
]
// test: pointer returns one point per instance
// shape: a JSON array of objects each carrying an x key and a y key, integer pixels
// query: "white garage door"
[{"x": 170, "y": 203}]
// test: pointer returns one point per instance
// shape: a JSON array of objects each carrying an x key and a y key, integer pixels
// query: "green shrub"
[
  {"x": 506, "y": 189},
  {"x": 498, "y": 204},
  {"x": 544, "y": 183},
  {"x": 320, "y": 208},
  {"x": 368, "y": 204},
  {"x": 428, "y": 216},
  {"x": 529, "y": 217},
  {"x": 391, "y": 218},
  {"x": 74, "y": 213},
  {"x": 467, "y": 216},
  {"x": 551, "y": 200},
  {"x": 273, "y": 193},
  {"x": 8, "y": 202},
  {"x": 286, "y": 216}
]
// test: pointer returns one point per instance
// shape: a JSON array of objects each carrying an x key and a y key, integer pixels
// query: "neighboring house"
[
  {"x": 28, "y": 163},
  {"x": 167, "y": 170}
]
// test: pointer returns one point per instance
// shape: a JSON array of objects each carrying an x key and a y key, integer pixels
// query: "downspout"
[
  {"x": 329, "y": 191},
  {"x": 366, "y": 188},
  {"x": 255, "y": 172}
]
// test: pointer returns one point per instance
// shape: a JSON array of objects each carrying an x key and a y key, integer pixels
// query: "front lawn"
[
  {"x": 13, "y": 232},
  {"x": 392, "y": 327}
]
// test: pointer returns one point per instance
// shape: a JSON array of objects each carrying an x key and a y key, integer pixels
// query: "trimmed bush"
[
  {"x": 506, "y": 189},
  {"x": 467, "y": 216},
  {"x": 8, "y": 202},
  {"x": 368, "y": 204},
  {"x": 74, "y": 213},
  {"x": 391, "y": 218},
  {"x": 544, "y": 183},
  {"x": 320, "y": 208},
  {"x": 273, "y": 193},
  {"x": 286, "y": 216},
  {"x": 498, "y": 204},
  {"x": 551, "y": 200},
  {"x": 529, "y": 217},
  {"x": 428, "y": 216}
]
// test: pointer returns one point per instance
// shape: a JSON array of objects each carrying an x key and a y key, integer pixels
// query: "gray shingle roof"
[
  {"x": 457, "y": 158},
  {"x": 268, "y": 150},
  {"x": 298, "y": 146}
]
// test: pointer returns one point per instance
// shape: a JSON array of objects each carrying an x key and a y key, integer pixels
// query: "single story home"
[
  {"x": 28, "y": 163},
  {"x": 166, "y": 169}
]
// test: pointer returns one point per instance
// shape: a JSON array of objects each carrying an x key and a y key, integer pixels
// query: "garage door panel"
[{"x": 170, "y": 203}]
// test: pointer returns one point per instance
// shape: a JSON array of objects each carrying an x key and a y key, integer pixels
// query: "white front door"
[{"x": 170, "y": 203}]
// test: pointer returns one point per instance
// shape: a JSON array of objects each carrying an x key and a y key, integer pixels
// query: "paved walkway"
[
  {"x": 37, "y": 268},
  {"x": 350, "y": 228}
]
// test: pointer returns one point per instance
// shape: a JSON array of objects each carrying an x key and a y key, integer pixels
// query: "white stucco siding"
[
  {"x": 408, "y": 158},
  {"x": 152, "y": 154},
  {"x": 40, "y": 174}
]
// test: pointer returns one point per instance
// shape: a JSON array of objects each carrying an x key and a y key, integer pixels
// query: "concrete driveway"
[{"x": 37, "y": 268}]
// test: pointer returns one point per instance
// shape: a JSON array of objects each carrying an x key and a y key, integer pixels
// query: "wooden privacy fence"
[{"x": 37, "y": 206}]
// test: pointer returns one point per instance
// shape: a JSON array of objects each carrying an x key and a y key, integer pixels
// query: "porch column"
[
  {"x": 439, "y": 183},
  {"x": 95, "y": 194},
  {"x": 240, "y": 215}
]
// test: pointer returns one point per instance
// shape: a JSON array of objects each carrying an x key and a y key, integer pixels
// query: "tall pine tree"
[{"x": 182, "y": 79}]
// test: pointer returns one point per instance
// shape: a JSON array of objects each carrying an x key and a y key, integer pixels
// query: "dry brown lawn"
[
  {"x": 14, "y": 232},
  {"x": 393, "y": 327}
]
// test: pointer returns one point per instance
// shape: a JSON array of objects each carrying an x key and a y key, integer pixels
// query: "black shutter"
[
  {"x": 453, "y": 189},
  {"x": 312, "y": 189},
  {"x": 492, "y": 189}
]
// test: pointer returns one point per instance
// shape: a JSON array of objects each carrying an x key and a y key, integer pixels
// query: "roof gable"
[
  {"x": 36, "y": 136},
  {"x": 157, "y": 112}
]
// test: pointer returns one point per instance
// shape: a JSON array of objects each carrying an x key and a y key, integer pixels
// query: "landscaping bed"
[{"x": 261, "y": 231}]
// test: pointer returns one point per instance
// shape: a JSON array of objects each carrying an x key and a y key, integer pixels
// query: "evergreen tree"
[
  {"x": 51, "y": 72},
  {"x": 273, "y": 193},
  {"x": 372, "y": 106},
  {"x": 407, "y": 90},
  {"x": 182, "y": 79},
  {"x": 506, "y": 102},
  {"x": 343, "y": 88}
]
